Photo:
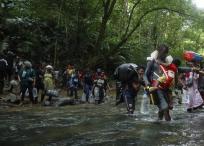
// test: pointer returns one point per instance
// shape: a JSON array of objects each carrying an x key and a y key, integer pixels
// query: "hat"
[
  {"x": 49, "y": 67},
  {"x": 27, "y": 63}
]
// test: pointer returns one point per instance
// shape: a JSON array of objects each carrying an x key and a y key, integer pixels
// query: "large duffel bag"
[{"x": 126, "y": 72}]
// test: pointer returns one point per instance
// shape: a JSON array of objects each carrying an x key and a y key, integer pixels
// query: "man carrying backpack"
[
  {"x": 27, "y": 80},
  {"x": 130, "y": 84},
  {"x": 3, "y": 67}
]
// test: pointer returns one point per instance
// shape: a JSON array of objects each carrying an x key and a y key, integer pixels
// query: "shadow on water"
[{"x": 97, "y": 125}]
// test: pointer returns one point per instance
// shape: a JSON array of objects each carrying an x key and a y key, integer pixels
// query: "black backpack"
[{"x": 126, "y": 73}]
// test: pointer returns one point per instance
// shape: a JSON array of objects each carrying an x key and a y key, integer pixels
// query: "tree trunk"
[{"x": 108, "y": 8}]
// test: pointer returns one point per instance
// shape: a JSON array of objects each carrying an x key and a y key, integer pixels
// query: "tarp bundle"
[{"x": 192, "y": 56}]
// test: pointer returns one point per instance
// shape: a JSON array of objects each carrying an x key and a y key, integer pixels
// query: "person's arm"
[
  {"x": 180, "y": 80},
  {"x": 189, "y": 82},
  {"x": 148, "y": 73},
  {"x": 136, "y": 86},
  {"x": 19, "y": 79},
  {"x": 34, "y": 77},
  {"x": 107, "y": 86},
  {"x": 19, "y": 76}
]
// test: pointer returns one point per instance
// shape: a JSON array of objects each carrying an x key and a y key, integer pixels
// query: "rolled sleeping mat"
[{"x": 191, "y": 56}]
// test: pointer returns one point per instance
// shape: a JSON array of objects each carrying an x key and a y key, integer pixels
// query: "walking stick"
[{"x": 149, "y": 91}]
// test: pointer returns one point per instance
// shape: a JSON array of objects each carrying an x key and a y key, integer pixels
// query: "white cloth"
[{"x": 154, "y": 56}]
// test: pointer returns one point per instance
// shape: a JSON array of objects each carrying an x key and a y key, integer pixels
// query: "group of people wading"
[
  {"x": 162, "y": 74},
  {"x": 41, "y": 82}
]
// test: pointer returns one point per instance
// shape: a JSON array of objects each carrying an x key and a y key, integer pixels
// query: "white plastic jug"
[
  {"x": 144, "y": 105},
  {"x": 96, "y": 93}
]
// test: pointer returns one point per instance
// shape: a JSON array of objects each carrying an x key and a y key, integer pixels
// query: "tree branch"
[
  {"x": 111, "y": 8},
  {"x": 125, "y": 38},
  {"x": 130, "y": 17},
  {"x": 106, "y": 8}
]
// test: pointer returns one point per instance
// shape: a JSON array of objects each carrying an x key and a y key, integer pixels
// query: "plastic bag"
[
  {"x": 35, "y": 92},
  {"x": 83, "y": 97},
  {"x": 96, "y": 93},
  {"x": 53, "y": 93},
  {"x": 91, "y": 99},
  {"x": 26, "y": 93}
]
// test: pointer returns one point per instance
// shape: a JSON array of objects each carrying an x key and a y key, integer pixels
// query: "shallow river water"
[{"x": 95, "y": 125}]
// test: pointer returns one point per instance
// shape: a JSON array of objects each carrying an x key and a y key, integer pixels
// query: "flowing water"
[{"x": 104, "y": 124}]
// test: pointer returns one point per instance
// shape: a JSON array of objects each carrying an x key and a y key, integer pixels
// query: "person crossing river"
[
  {"x": 27, "y": 81},
  {"x": 127, "y": 74},
  {"x": 160, "y": 73}
]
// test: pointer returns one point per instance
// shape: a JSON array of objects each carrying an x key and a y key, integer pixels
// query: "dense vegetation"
[{"x": 93, "y": 33}]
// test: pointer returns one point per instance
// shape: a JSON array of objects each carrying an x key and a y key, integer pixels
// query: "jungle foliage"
[{"x": 98, "y": 33}]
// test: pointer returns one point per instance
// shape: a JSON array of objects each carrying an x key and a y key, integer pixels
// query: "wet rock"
[
  {"x": 12, "y": 98},
  {"x": 47, "y": 103},
  {"x": 61, "y": 101},
  {"x": 12, "y": 128},
  {"x": 66, "y": 101}
]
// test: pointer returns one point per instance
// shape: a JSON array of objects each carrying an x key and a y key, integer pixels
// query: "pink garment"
[{"x": 193, "y": 96}]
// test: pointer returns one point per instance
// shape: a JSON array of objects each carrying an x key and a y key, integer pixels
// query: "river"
[{"x": 92, "y": 125}]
